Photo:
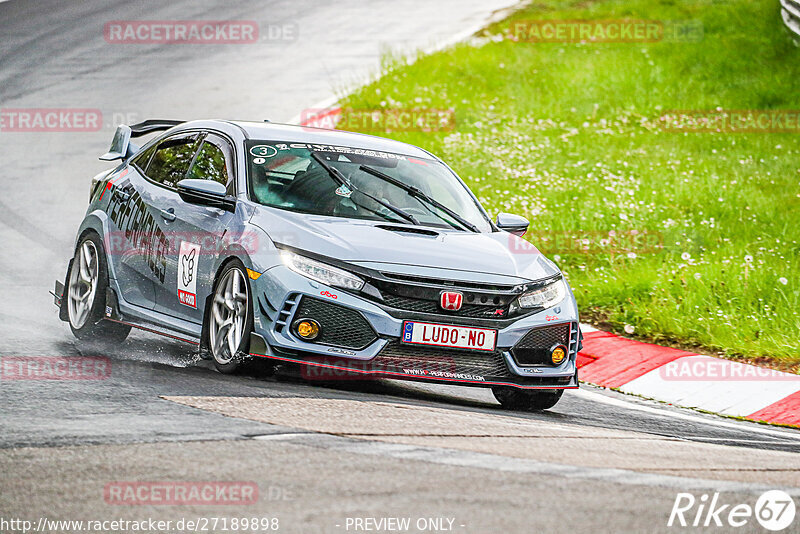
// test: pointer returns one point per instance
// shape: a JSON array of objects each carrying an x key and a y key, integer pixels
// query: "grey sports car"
[{"x": 341, "y": 254}]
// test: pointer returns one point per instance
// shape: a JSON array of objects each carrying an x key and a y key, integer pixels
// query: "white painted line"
[
  {"x": 462, "y": 458},
  {"x": 742, "y": 427},
  {"x": 729, "y": 388},
  {"x": 281, "y": 437}
]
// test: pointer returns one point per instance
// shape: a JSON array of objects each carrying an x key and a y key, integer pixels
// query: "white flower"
[
  {"x": 697, "y": 276},
  {"x": 686, "y": 256},
  {"x": 629, "y": 329},
  {"x": 556, "y": 258},
  {"x": 748, "y": 259},
  {"x": 783, "y": 280},
  {"x": 632, "y": 255}
]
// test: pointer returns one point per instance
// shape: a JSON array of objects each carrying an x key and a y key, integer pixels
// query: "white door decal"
[{"x": 188, "y": 257}]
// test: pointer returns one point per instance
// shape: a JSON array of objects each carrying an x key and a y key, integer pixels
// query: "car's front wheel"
[
  {"x": 230, "y": 319},
  {"x": 519, "y": 399},
  {"x": 85, "y": 294}
]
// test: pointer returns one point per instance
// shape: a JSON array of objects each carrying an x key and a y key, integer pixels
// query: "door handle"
[
  {"x": 123, "y": 195},
  {"x": 168, "y": 215}
]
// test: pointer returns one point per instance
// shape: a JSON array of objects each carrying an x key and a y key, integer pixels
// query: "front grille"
[
  {"x": 429, "y": 306},
  {"x": 460, "y": 284},
  {"x": 340, "y": 326},
  {"x": 398, "y": 357},
  {"x": 535, "y": 347},
  {"x": 422, "y": 298}
]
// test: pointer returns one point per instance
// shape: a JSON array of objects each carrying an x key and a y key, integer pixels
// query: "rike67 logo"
[{"x": 774, "y": 510}]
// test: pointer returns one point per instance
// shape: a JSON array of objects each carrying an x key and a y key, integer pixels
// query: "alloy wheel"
[
  {"x": 228, "y": 316},
  {"x": 83, "y": 284}
]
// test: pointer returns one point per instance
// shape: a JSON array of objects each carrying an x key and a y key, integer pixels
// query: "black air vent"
[{"x": 408, "y": 230}]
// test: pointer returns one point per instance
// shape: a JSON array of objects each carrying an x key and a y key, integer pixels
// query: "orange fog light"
[
  {"x": 558, "y": 355},
  {"x": 307, "y": 329}
]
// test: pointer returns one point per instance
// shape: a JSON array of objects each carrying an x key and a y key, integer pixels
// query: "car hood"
[{"x": 392, "y": 247}]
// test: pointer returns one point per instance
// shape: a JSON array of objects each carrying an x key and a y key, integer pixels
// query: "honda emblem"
[{"x": 451, "y": 300}]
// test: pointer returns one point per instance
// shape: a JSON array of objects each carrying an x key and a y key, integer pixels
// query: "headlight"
[
  {"x": 321, "y": 272},
  {"x": 544, "y": 297}
]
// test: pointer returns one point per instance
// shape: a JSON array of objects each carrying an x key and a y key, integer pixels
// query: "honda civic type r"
[{"x": 345, "y": 254}]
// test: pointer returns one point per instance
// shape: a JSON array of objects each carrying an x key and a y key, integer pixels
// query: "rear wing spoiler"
[{"x": 121, "y": 146}]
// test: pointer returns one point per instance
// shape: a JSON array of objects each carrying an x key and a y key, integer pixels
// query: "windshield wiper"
[
  {"x": 342, "y": 181},
  {"x": 419, "y": 194}
]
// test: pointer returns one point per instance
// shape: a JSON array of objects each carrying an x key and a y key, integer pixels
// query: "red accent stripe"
[
  {"x": 111, "y": 182},
  {"x": 140, "y": 327},
  {"x": 612, "y": 361},
  {"x": 785, "y": 411},
  {"x": 405, "y": 376}
]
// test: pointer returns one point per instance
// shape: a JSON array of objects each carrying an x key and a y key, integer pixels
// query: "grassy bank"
[{"x": 676, "y": 237}]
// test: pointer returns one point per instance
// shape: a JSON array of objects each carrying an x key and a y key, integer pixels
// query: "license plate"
[{"x": 458, "y": 337}]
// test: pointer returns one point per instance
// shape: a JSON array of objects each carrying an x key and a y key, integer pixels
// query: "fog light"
[
  {"x": 558, "y": 354},
  {"x": 307, "y": 329}
]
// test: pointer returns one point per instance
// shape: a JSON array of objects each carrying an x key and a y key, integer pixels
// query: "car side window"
[
  {"x": 214, "y": 161},
  {"x": 172, "y": 159},
  {"x": 142, "y": 159}
]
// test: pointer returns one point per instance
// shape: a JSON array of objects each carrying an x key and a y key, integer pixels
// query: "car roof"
[{"x": 290, "y": 133}]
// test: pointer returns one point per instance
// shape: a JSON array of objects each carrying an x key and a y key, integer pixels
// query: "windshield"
[{"x": 293, "y": 176}]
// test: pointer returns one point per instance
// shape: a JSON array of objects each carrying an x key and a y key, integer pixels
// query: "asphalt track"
[{"x": 599, "y": 461}]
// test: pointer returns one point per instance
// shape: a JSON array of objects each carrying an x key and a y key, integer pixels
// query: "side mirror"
[
  {"x": 206, "y": 193},
  {"x": 513, "y": 224}
]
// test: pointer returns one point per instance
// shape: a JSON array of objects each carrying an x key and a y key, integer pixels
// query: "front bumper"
[{"x": 368, "y": 342}]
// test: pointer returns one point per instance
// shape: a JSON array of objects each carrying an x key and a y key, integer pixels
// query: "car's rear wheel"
[
  {"x": 85, "y": 294},
  {"x": 230, "y": 319},
  {"x": 519, "y": 399}
]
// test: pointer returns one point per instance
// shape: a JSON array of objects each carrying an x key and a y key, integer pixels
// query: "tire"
[
  {"x": 519, "y": 399},
  {"x": 230, "y": 309},
  {"x": 85, "y": 294}
]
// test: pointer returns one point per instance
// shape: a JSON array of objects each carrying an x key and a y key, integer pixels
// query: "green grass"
[{"x": 568, "y": 135}]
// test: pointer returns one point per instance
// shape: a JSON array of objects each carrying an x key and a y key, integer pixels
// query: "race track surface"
[{"x": 599, "y": 461}]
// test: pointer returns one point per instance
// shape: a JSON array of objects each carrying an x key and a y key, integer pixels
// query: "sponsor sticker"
[
  {"x": 444, "y": 374},
  {"x": 263, "y": 151},
  {"x": 343, "y": 191},
  {"x": 187, "y": 273}
]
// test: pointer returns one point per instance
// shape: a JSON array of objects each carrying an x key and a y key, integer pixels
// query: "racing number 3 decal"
[{"x": 188, "y": 257}]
